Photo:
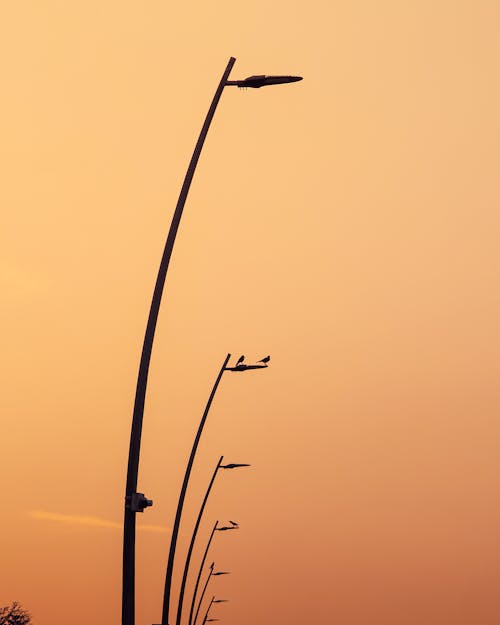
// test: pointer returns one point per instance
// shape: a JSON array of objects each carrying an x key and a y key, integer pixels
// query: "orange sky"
[{"x": 347, "y": 225}]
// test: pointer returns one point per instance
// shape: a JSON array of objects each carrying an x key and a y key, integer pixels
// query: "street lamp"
[
  {"x": 200, "y": 571},
  {"x": 214, "y": 600},
  {"x": 195, "y": 531},
  {"x": 202, "y": 595},
  {"x": 208, "y": 610},
  {"x": 182, "y": 495},
  {"x": 134, "y": 501}
]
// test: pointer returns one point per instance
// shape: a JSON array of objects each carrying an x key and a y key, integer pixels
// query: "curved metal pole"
[
  {"x": 208, "y": 610},
  {"x": 203, "y": 594},
  {"x": 182, "y": 495},
  {"x": 128, "y": 581},
  {"x": 191, "y": 544},
  {"x": 195, "y": 591}
]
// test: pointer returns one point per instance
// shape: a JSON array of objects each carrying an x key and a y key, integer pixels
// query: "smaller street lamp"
[
  {"x": 201, "y": 598},
  {"x": 234, "y": 525},
  {"x": 200, "y": 571},
  {"x": 208, "y": 610},
  {"x": 214, "y": 600},
  {"x": 180, "y": 504}
]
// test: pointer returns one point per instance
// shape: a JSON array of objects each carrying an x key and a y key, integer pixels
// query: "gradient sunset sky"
[{"x": 348, "y": 225}]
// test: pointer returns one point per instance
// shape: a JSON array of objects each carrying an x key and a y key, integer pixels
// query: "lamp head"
[{"x": 233, "y": 465}]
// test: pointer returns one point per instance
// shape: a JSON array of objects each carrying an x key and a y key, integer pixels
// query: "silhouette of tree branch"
[{"x": 14, "y": 614}]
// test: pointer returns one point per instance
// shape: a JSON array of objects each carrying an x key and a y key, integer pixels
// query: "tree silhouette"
[{"x": 14, "y": 614}]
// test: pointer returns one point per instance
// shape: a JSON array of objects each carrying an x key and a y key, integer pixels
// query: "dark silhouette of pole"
[
  {"x": 180, "y": 504},
  {"x": 195, "y": 591},
  {"x": 131, "y": 496},
  {"x": 191, "y": 544},
  {"x": 195, "y": 532},
  {"x": 203, "y": 594},
  {"x": 208, "y": 610}
]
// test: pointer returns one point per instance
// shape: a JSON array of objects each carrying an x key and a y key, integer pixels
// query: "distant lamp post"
[
  {"x": 210, "y": 575},
  {"x": 195, "y": 531},
  {"x": 214, "y": 600},
  {"x": 201, "y": 598},
  {"x": 208, "y": 610},
  {"x": 200, "y": 571},
  {"x": 182, "y": 495}
]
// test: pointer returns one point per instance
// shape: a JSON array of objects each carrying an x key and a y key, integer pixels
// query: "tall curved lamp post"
[
  {"x": 134, "y": 501},
  {"x": 195, "y": 532}
]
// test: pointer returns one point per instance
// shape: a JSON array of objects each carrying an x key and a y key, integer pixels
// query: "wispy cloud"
[{"x": 88, "y": 521}]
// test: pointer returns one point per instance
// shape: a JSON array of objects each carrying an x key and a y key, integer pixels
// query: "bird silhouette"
[
  {"x": 221, "y": 573},
  {"x": 265, "y": 360},
  {"x": 220, "y": 600},
  {"x": 234, "y": 524},
  {"x": 240, "y": 360}
]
